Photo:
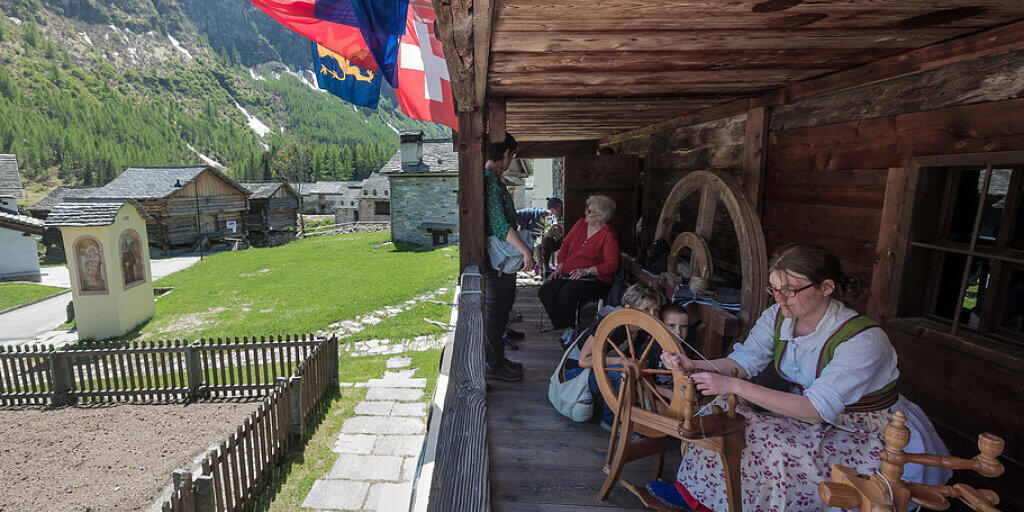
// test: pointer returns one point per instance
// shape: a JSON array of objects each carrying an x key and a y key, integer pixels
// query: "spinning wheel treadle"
[{"x": 640, "y": 408}]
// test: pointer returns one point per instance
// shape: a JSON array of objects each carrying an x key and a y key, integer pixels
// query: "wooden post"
[
  {"x": 472, "y": 243},
  {"x": 61, "y": 380},
  {"x": 295, "y": 400},
  {"x": 755, "y": 152},
  {"x": 194, "y": 371},
  {"x": 178, "y": 478},
  {"x": 883, "y": 290},
  {"x": 332, "y": 366},
  {"x": 286, "y": 419},
  {"x": 496, "y": 119},
  {"x": 205, "y": 499}
]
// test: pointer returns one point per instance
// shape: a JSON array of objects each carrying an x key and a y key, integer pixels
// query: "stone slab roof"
[
  {"x": 88, "y": 212},
  {"x": 330, "y": 187},
  {"x": 263, "y": 189},
  {"x": 22, "y": 223},
  {"x": 58, "y": 195},
  {"x": 153, "y": 182},
  {"x": 437, "y": 157},
  {"x": 10, "y": 181}
]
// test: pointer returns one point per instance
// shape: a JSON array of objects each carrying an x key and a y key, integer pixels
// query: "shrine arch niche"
[
  {"x": 715, "y": 233},
  {"x": 90, "y": 266},
  {"x": 129, "y": 253}
]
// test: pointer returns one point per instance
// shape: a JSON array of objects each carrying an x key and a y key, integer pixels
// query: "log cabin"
[
  {"x": 184, "y": 204},
  {"x": 273, "y": 207},
  {"x": 890, "y": 133}
]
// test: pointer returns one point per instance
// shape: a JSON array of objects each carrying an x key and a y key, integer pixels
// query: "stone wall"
[
  {"x": 368, "y": 210},
  {"x": 423, "y": 197}
]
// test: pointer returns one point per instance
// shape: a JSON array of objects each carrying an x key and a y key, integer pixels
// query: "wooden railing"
[
  {"x": 157, "y": 371},
  {"x": 460, "y": 482},
  {"x": 233, "y": 473}
]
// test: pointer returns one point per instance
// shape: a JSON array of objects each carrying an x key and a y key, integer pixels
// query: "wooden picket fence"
[
  {"x": 157, "y": 371},
  {"x": 233, "y": 473}
]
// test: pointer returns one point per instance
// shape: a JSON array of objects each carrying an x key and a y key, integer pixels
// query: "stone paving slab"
[
  {"x": 399, "y": 394},
  {"x": 408, "y": 469},
  {"x": 373, "y": 497},
  {"x": 375, "y": 408},
  {"x": 366, "y": 467},
  {"x": 396, "y": 383},
  {"x": 394, "y": 497},
  {"x": 336, "y": 495},
  {"x": 354, "y": 443},
  {"x": 383, "y": 425},
  {"x": 399, "y": 362},
  {"x": 404, "y": 445},
  {"x": 409, "y": 409}
]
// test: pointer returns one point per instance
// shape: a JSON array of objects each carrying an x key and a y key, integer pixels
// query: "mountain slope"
[{"x": 88, "y": 88}]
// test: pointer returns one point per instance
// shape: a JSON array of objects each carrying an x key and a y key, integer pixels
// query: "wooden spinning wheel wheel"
[
  {"x": 641, "y": 409},
  {"x": 711, "y": 190}
]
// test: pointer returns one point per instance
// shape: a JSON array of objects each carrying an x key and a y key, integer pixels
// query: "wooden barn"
[
  {"x": 186, "y": 204},
  {"x": 273, "y": 207},
  {"x": 891, "y": 133}
]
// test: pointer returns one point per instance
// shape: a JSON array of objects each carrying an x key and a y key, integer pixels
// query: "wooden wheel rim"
[
  {"x": 659, "y": 334},
  {"x": 716, "y": 188},
  {"x": 700, "y": 258}
]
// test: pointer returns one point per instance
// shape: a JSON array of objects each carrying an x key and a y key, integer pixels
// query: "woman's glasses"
[{"x": 786, "y": 291}]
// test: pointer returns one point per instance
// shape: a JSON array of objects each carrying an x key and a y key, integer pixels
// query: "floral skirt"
[{"x": 785, "y": 459}]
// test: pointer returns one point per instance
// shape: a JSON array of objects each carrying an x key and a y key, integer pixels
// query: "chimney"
[{"x": 412, "y": 150}]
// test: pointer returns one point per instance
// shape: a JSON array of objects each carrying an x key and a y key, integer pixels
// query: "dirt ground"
[{"x": 104, "y": 457}]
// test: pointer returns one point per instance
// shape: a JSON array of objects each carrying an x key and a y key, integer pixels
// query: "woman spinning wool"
[{"x": 840, "y": 370}]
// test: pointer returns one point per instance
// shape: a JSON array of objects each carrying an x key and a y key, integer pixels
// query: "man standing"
[{"x": 499, "y": 287}]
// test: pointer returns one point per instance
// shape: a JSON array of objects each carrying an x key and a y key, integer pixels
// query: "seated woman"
[
  {"x": 637, "y": 296},
  {"x": 842, "y": 374},
  {"x": 586, "y": 262}
]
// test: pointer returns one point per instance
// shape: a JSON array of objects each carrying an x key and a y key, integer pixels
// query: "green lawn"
[
  {"x": 298, "y": 287},
  {"x": 408, "y": 324},
  {"x": 16, "y": 294}
]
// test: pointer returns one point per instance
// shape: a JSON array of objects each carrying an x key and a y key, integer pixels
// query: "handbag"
[
  {"x": 571, "y": 398},
  {"x": 504, "y": 257}
]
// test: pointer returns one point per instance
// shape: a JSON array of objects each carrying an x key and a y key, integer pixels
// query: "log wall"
[{"x": 835, "y": 175}]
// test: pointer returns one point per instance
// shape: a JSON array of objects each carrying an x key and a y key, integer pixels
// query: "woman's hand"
[
  {"x": 555, "y": 274},
  {"x": 528, "y": 263},
  {"x": 677, "y": 361},
  {"x": 711, "y": 383},
  {"x": 578, "y": 273}
]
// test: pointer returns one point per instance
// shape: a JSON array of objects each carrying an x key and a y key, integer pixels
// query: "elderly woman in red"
[{"x": 586, "y": 262}]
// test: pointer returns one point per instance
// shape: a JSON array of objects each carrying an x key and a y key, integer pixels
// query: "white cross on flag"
[{"x": 424, "y": 88}]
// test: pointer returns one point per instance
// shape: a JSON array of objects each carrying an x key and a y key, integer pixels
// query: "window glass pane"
[
  {"x": 948, "y": 283},
  {"x": 977, "y": 283},
  {"x": 995, "y": 203},
  {"x": 1013, "y": 305},
  {"x": 966, "y": 189}
]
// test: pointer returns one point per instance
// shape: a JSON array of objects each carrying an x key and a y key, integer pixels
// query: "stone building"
[
  {"x": 424, "y": 176},
  {"x": 18, "y": 232}
]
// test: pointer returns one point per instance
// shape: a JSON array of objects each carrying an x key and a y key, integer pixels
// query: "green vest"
[{"x": 873, "y": 401}]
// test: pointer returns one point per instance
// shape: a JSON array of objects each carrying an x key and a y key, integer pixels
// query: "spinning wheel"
[
  {"x": 886, "y": 491},
  {"x": 640, "y": 408},
  {"x": 712, "y": 189}
]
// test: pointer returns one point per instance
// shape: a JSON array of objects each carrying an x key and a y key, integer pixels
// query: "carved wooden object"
[{"x": 887, "y": 491}]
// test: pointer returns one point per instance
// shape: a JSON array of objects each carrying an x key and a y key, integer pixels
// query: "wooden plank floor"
[{"x": 540, "y": 460}]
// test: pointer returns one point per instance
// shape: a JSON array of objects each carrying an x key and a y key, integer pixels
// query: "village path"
[{"x": 28, "y": 323}]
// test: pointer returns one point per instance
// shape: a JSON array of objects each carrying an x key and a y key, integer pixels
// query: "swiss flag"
[{"x": 424, "y": 88}]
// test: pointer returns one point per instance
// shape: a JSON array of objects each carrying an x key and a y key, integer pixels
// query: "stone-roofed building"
[
  {"x": 17, "y": 232},
  {"x": 184, "y": 204},
  {"x": 42, "y": 207},
  {"x": 424, "y": 184},
  {"x": 273, "y": 207}
]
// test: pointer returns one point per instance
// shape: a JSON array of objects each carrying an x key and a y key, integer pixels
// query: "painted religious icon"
[
  {"x": 92, "y": 275},
  {"x": 131, "y": 259}
]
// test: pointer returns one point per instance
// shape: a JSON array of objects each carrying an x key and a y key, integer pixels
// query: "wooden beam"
[
  {"x": 496, "y": 119},
  {"x": 483, "y": 18},
  {"x": 548, "y": 149},
  {"x": 472, "y": 243},
  {"x": 453, "y": 27},
  {"x": 673, "y": 60},
  {"x": 755, "y": 152},
  {"x": 997, "y": 41},
  {"x": 886, "y": 248}
]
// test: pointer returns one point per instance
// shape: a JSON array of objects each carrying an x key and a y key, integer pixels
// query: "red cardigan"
[{"x": 601, "y": 251}]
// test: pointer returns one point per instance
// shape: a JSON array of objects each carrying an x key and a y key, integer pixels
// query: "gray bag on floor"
[{"x": 571, "y": 398}]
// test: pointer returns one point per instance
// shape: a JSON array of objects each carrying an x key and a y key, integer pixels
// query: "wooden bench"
[{"x": 439, "y": 231}]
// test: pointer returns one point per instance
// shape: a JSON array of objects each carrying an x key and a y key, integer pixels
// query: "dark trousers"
[
  {"x": 499, "y": 295},
  {"x": 560, "y": 296}
]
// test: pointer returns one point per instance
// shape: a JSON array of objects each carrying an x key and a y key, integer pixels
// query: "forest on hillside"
[{"x": 72, "y": 117}]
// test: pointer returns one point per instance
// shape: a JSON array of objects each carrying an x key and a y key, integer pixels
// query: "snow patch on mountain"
[
  {"x": 254, "y": 123},
  {"x": 204, "y": 158},
  {"x": 179, "y": 47}
]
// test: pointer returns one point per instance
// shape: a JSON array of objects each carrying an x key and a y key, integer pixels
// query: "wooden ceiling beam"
[
  {"x": 697, "y": 40},
  {"x": 998, "y": 41},
  {"x": 544, "y": 15},
  {"x": 620, "y": 90},
  {"x": 547, "y": 149}
]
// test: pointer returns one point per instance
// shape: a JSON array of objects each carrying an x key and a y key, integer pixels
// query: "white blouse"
[{"x": 864, "y": 363}]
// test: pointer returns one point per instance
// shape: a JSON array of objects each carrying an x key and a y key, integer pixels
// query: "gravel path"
[{"x": 107, "y": 457}]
